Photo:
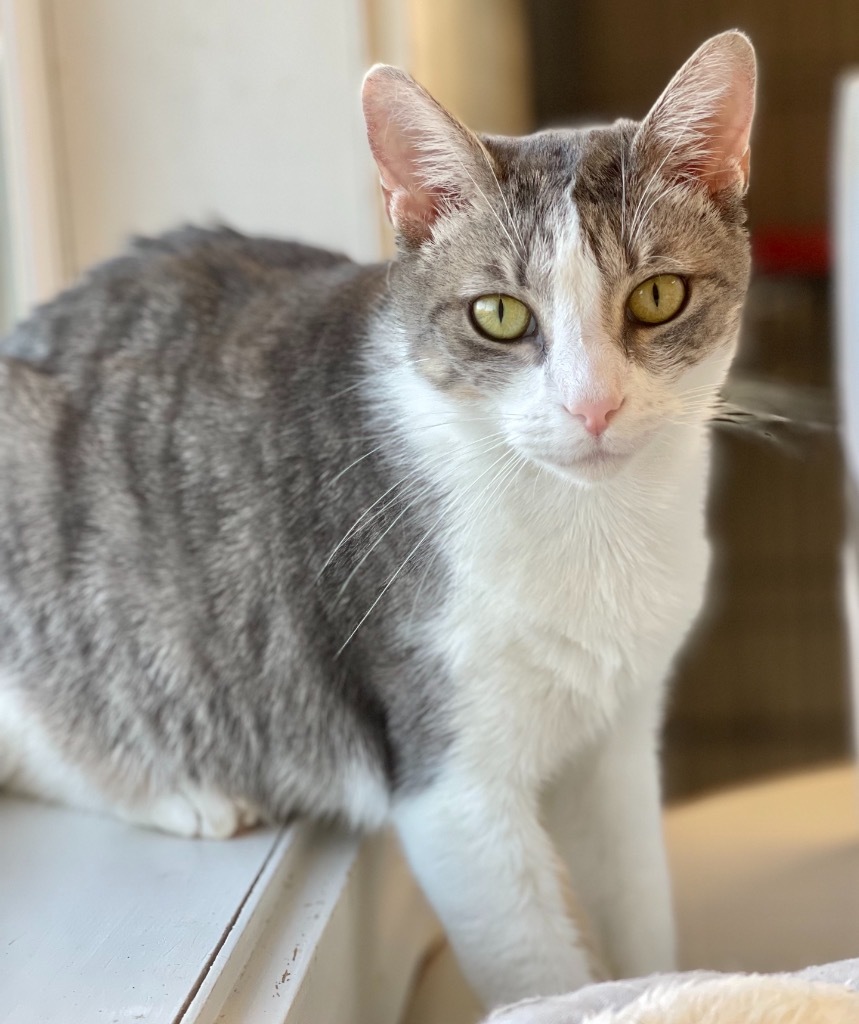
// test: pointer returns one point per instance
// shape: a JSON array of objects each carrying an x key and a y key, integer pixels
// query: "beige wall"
[{"x": 473, "y": 56}]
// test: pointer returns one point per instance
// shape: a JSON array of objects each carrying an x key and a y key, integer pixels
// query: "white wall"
[
  {"x": 846, "y": 234},
  {"x": 845, "y": 224},
  {"x": 7, "y": 280},
  {"x": 33, "y": 237},
  {"x": 244, "y": 111}
]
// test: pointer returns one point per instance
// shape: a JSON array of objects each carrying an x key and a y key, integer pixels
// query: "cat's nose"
[{"x": 596, "y": 414}]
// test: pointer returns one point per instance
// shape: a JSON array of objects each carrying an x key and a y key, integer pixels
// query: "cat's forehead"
[
  {"x": 542, "y": 172},
  {"x": 565, "y": 179},
  {"x": 596, "y": 183},
  {"x": 550, "y": 157}
]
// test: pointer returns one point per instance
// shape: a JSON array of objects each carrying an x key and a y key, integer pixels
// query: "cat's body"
[
  {"x": 217, "y": 506},
  {"x": 283, "y": 535}
]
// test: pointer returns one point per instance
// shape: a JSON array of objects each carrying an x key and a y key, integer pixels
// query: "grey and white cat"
[{"x": 283, "y": 535}]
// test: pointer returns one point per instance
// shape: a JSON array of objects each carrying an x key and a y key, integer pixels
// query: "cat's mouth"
[
  {"x": 599, "y": 463},
  {"x": 587, "y": 460}
]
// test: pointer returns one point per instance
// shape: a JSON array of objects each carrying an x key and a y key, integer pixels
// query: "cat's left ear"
[
  {"x": 428, "y": 162},
  {"x": 699, "y": 127}
]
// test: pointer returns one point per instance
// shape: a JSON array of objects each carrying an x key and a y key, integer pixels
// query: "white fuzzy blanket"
[{"x": 828, "y": 994}]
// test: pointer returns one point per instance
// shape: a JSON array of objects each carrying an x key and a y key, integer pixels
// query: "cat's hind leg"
[{"x": 32, "y": 764}]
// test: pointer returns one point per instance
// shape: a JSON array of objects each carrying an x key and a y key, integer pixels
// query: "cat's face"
[{"x": 576, "y": 293}]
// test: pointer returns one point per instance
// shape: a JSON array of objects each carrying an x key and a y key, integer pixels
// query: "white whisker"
[
  {"x": 489, "y": 205},
  {"x": 342, "y": 472},
  {"x": 510, "y": 217},
  {"x": 406, "y": 560},
  {"x": 428, "y": 489},
  {"x": 363, "y": 521}
]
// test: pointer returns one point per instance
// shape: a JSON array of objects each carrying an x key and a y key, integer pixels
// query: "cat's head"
[{"x": 577, "y": 291}]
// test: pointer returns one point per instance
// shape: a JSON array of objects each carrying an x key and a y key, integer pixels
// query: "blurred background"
[{"x": 123, "y": 116}]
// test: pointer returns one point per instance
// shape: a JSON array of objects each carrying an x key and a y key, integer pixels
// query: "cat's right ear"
[{"x": 428, "y": 162}]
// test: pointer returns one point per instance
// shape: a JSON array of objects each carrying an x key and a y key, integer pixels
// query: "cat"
[{"x": 281, "y": 535}]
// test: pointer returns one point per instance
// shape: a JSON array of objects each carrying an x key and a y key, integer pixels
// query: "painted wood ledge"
[{"x": 100, "y": 921}]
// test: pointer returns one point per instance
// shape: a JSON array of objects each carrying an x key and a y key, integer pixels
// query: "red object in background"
[{"x": 803, "y": 251}]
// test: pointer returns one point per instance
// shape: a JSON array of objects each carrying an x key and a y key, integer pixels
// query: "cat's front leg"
[
  {"x": 604, "y": 814},
  {"x": 489, "y": 870}
]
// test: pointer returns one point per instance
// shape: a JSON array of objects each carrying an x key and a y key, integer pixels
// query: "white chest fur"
[{"x": 567, "y": 599}]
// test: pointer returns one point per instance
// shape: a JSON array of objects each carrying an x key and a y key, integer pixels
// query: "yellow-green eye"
[
  {"x": 657, "y": 299},
  {"x": 501, "y": 317}
]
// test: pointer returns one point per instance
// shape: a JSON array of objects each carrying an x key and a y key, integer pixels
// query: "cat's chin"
[{"x": 592, "y": 468}]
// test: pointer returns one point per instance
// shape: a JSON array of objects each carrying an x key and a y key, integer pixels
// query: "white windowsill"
[{"x": 100, "y": 921}]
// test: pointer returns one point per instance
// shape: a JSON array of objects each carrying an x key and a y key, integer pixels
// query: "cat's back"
[{"x": 178, "y": 286}]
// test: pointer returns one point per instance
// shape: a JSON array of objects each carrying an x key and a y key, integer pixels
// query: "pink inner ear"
[
  {"x": 421, "y": 152},
  {"x": 726, "y": 159},
  {"x": 701, "y": 123},
  {"x": 412, "y": 205}
]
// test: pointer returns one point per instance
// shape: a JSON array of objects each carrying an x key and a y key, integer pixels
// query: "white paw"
[{"x": 203, "y": 813}]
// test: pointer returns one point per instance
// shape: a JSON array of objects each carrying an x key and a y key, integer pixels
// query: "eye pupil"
[
  {"x": 657, "y": 300},
  {"x": 502, "y": 317}
]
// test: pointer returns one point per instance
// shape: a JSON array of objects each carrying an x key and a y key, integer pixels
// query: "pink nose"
[{"x": 596, "y": 414}]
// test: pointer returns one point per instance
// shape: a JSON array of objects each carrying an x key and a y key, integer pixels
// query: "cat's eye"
[
  {"x": 658, "y": 299},
  {"x": 502, "y": 318}
]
